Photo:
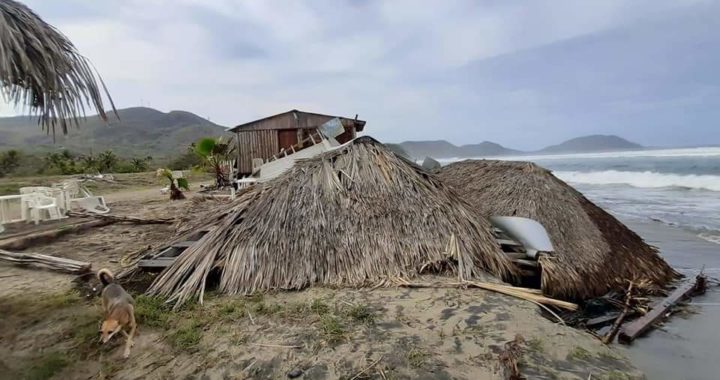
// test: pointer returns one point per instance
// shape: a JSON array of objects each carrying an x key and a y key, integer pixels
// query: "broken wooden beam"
[
  {"x": 602, "y": 320},
  {"x": 44, "y": 261},
  {"x": 658, "y": 312},
  {"x": 121, "y": 219},
  {"x": 610, "y": 336},
  {"x": 29, "y": 240},
  {"x": 160, "y": 262}
]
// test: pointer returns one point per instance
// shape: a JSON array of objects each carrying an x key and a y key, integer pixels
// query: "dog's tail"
[{"x": 105, "y": 276}]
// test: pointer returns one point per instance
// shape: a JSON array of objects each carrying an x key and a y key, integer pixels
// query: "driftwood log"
[
  {"x": 26, "y": 241},
  {"x": 643, "y": 324},
  {"x": 44, "y": 261},
  {"x": 121, "y": 219}
]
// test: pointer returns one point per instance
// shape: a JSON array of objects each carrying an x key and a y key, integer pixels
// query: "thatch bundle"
[
  {"x": 41, "y": 69},
  {"x": 354, "y": 216},
  {"x": 594, "y": 252}
]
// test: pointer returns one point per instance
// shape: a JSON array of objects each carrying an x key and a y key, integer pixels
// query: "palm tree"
[
  {"x": 9, "y": 161},
  {"x": 140, "y": 164},
  {"x": 215, "y": 155},
  {"x": 42, "y": 70},
  {"x": 107, "y": 161},
  {"x": 89, "y": 163},
  {"x": 175, "y": 193}
]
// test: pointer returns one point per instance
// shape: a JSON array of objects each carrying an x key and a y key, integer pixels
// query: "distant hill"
[
  {"x": 444, "y": 149},
  {"x": 594, "y": 143},
  {"x": 437, "y": 148},
  {"x": 585, "y": 144},
  {"x": 485, "y": 149},
  {"x": 398, "y": 150},
  {"x": 140, "y": 131}
]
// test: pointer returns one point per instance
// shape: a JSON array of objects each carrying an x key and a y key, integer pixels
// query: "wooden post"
[{"x": 641, "y": 325}]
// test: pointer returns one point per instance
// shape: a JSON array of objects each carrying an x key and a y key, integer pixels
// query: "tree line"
[
  {"x": 17, "y": 163},
  {"x": 207, "y": 154}
]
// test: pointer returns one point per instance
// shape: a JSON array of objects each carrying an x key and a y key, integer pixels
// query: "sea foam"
[{"x": 645, "y": 179}]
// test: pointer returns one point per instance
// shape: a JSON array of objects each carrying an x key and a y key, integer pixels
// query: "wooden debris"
[
  {"x": 26, "y": 241},
  {"x": 618, "y": 322},
  {"x": 641, "y": 325},
  {"x": 167, "y": 255},
  {"x": 121, "y": 219},
  {"x": 44, "y": 261},
  {"x": 512, "y": 352},
  {"x": 602, "y": 320},
  {"x": 522, "y": 293},
  {"x": 277, "y": 345},
  {"x": 519, "y": 293}
]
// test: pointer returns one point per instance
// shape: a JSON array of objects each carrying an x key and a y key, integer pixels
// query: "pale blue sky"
[{"x": 522, "y": 73}]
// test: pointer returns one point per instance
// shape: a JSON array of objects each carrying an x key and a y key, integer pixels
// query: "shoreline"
[{"x": 686, "y": 346}]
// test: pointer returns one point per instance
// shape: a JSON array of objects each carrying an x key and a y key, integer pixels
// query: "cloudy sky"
[{"x": 521, "y": 73}]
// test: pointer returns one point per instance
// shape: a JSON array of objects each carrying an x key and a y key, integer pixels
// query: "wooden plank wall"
[{"x": 255, "y": 144}]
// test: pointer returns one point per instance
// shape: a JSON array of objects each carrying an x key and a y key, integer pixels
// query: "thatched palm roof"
[
  {"x": 594, "y": 251},
  {"x": 350, "y": 217},
  {"x": 40, "y": 69}
]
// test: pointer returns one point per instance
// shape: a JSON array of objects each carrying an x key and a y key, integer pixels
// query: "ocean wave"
[
  {"x": 704, "y": 232},
  {"x": 713, "y": 238},
  {"x": 642, "y": 179},
  {"x": 675, "y": 153}
]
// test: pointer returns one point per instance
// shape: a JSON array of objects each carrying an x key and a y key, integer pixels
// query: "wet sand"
[{"x": 687, "y": 346}]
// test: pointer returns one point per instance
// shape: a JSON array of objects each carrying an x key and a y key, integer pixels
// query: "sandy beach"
[{"x": 325, "y": 333}]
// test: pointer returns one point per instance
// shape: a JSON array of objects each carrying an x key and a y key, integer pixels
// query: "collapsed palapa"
[
  {"x": 354, "y": 216},
  {"x": 594, "y": 252}
]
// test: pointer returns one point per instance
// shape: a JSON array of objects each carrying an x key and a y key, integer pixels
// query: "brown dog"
[{"x": 118, "y": 310}]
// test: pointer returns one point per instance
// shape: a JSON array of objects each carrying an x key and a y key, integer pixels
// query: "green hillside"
[{"x": 138, "y": 132}]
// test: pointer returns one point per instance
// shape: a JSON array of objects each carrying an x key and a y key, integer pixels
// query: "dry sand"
[{"x": 48, "y": 331}]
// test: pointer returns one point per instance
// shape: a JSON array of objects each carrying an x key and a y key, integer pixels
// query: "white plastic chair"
[
  {"x": 94, "y": 204},
  {"x": 38, "y": 204},
  {"x": 11, "y": 209},
  {"x": 78, "y": 195},
  {"x": 59, "y": 195}
]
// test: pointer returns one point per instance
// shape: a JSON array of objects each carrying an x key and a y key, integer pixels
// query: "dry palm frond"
[
  {"x": 41, "y": 69},
  {"x": 594, "y": 252},
  {"x": 351, "y": 217}
]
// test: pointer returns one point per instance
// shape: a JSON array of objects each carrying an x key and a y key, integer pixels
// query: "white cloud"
[{"x": 397, "y": 63}]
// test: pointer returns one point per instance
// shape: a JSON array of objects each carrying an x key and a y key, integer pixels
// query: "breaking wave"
[{"x": 642, "y": 179}]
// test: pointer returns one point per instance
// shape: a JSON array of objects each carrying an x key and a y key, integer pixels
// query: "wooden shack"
[{"x": 291, "y": 130}]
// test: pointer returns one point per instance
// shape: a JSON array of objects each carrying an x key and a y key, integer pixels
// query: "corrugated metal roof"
[{"x": 359, "y": 124}]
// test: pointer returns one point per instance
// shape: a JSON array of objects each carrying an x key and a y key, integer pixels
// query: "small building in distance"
[{"x": 285, "y": 132}]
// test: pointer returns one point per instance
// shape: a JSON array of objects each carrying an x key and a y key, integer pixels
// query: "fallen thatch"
[
  {"x": 594, "y": 252},
  {"x": 354, "y": 216},
  {"x": 41, "y": 69}
]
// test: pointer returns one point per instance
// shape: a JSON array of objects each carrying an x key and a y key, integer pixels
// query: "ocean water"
[{"x": 676, "y": 187}]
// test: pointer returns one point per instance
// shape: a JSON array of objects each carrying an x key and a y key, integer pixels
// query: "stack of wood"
[{"x": 44, "y": 261}]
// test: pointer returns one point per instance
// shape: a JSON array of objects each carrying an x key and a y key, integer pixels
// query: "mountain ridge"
[
  {"x": 138, "y": 131},
  {"x": 142, "y": 131},
  {"x": 583, "y": 144}
]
